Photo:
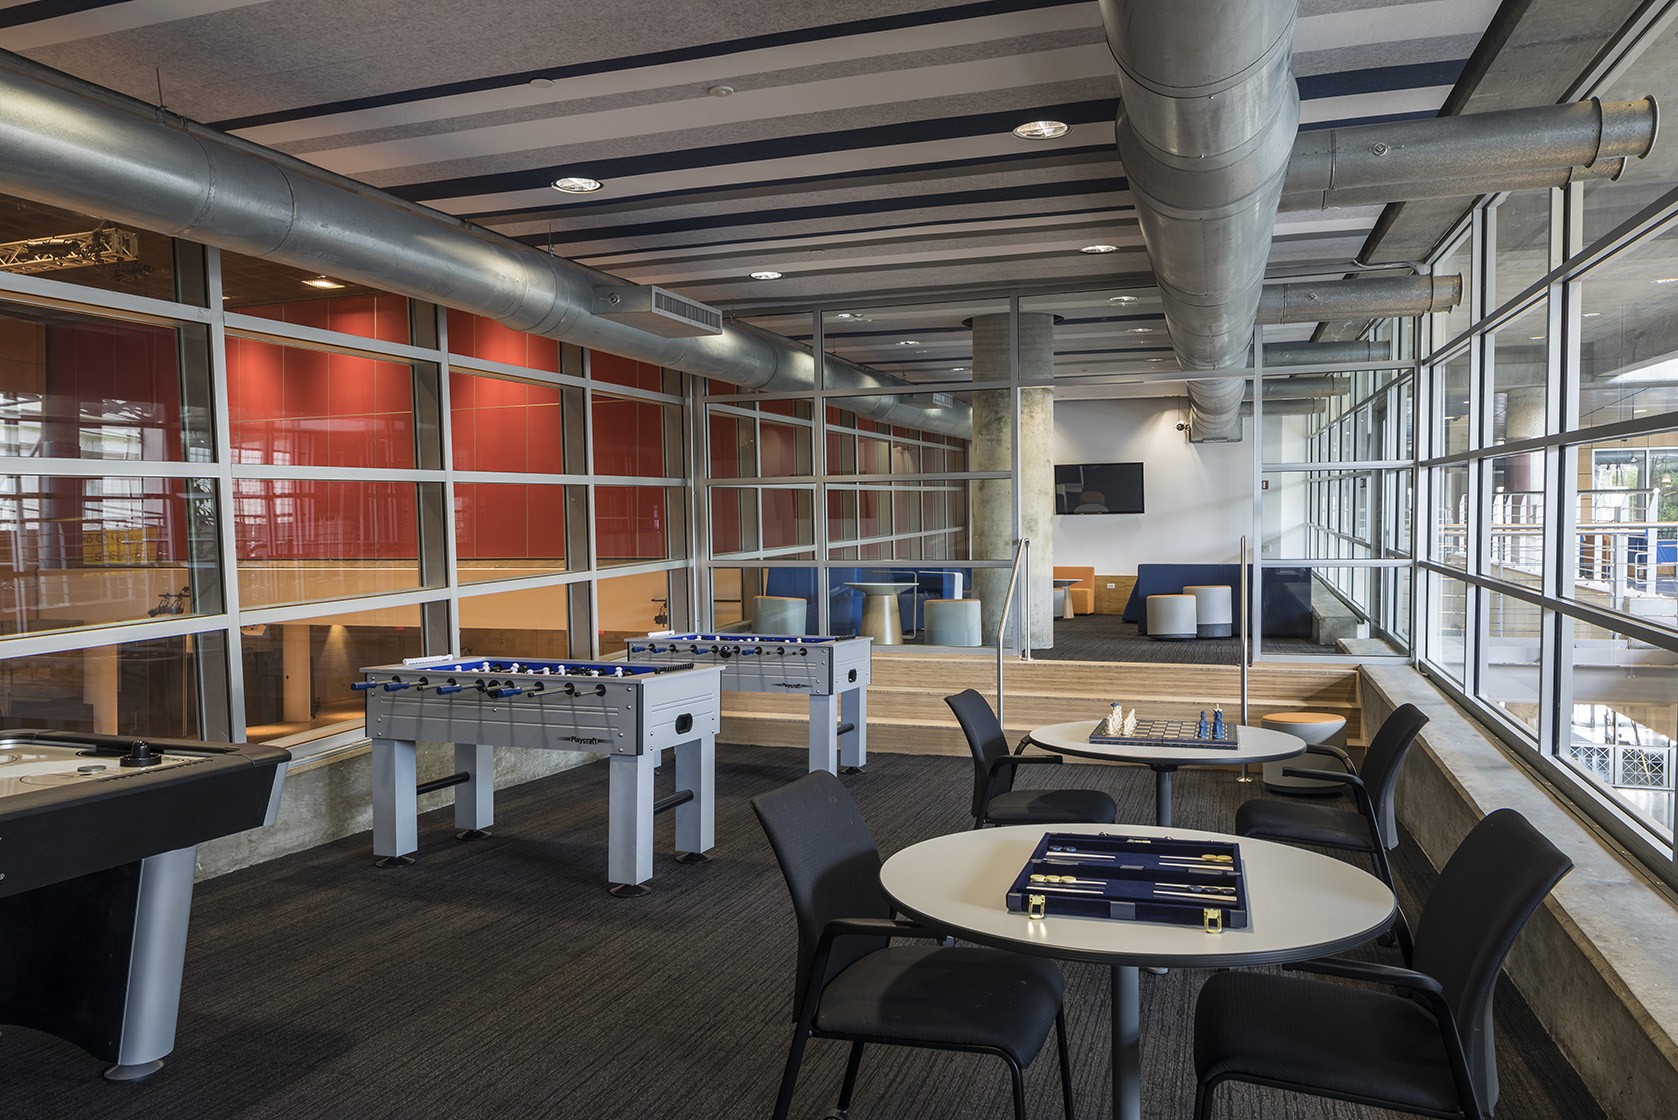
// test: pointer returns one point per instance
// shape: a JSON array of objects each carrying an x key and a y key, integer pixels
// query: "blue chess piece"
[
  {"x": 1217, "y": 723},
  {"x": 1200, "y": 732}
]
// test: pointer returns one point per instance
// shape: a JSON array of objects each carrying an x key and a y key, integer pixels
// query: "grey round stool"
[
  {"x": 953, "y": 622},
  {"x": 1214, "y": 613},
  {"x": 1315, "y": 728},
  {"x": 1171, "y": 617},
  {"x": 779, "y": 614}
]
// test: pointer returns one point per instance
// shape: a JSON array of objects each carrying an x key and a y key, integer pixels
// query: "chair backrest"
[
  {"x": 1382, "y": 763},
  {"x": 1488, "y": 889},
  {"x": 830, "y": 863},
  {"x": 986, "y": 740}
]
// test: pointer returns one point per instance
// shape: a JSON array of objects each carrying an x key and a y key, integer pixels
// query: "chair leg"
[
  {"x": 849, "y": 1086},
  {"x": 1202, "y": 1101},
  {"x": 1065, "y": 1062},
  {"x": 1019, "y": 1089},
  {"x": 789, "y": 1079}
]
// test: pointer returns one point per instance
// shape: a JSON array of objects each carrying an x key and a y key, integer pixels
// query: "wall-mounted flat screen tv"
[{"x": 1099, "y": 488}]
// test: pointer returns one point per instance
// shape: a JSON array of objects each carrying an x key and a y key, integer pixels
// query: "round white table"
[
  {"x": 1300, "y": 905},
  {"x": 880, "y": 620},
  {"x": 1252, "y": 744},
  {"x": 1063, "y": 588}
]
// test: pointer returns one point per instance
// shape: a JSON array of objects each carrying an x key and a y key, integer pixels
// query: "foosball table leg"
[
  {"x": 395, "y": 802},
  {"x": 474, "y": 799},
  {"x": 629, "y": 843},
  {"x": 824, "y": 735},
  {"x": 696, "y": 825},
  {"x": 853, "y": 733}
]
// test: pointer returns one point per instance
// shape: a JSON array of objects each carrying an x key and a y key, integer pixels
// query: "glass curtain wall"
[
  {"x": 831, "y": 501},
  {"x": 1337, "y": 502},
  {"x": 231, "y": 484},
  {"x": 1550, "y": 471}
]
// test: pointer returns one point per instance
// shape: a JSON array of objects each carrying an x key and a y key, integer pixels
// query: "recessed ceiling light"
[
  {"x": 1665, "y": 280},
  {"x": 766, "y": 274},
  {"x": 1123, "y": 299},
  {"x": 1139, "y": 330},
  {"x": 541, "y": 83},
  {"x": 958, "y": 369},
  {"x": 851, "y": 317},
  {"x": 1156, "y": 359},
  {"x": 577, "y": 184},
  {"x": 322, "y": 282},
  {"x": 1041, "y": 130},
  {"x": 720, "y": 91},
  {"x": 1639, "y": 411},
  {"x": 1593, "y": 315},
  {"x": 908, "y": 342},
  {"x": 1099, "y": 249},
  {"x": 1535, "y": 338}
]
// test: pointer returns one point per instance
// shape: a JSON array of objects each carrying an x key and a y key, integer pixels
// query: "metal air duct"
[
  {"x": 1348, "y": 355},
  {"x": 1206, "y": 124},
  {"x": 71, "y": 144},
  {"x": 1452, "y": 188},
  {"x": 1379, "y": 298},
  {"x": 1507, "y": 147}
]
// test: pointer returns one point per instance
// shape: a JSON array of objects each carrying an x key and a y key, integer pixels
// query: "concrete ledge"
[
  {"x": 331, "y": 797},
  {"x": 1599, "y": 962}
]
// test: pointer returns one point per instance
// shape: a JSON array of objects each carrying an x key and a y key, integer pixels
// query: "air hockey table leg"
[
  {"x": 395, "y": 802},
  {"x": 696, "y": 825},
  {"x": 824, "y": 735},
  {"x": 853, "y": 744},
  {"x": 629, "y": 844},
  {"x": 157, "y": 956},
  {"x": 474, "y": 799}
]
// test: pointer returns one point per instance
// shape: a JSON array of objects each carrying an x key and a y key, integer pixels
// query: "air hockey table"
[
  {"x": 833, "y": 672},
  {"x": 99, "y": 839},
  {"x": 631, "y": 713}
]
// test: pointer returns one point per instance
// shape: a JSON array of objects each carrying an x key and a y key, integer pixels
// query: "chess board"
[{"x": 1166, "y": 733}]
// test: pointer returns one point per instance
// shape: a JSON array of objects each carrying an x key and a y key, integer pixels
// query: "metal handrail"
[{"x": 1022, "y": 547}]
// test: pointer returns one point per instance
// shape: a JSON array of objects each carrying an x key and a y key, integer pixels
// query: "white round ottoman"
[
  {"x": 1171, "y": 617},
  {"x": 779, "y": 614},
  {"x": 1214, "y": 613},
  {"x": 1314, "y": 728},
  {"x": 953, "y": 622}
]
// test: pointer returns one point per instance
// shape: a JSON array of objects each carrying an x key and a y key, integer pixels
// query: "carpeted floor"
[
  {"x": 498, "y": 980},
  {"x": 1107, "y": 637}
]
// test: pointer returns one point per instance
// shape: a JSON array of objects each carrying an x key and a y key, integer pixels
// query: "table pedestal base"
[
  {"x": 1162, "y": 793},
  {"x": 1127, "y": 1043}
]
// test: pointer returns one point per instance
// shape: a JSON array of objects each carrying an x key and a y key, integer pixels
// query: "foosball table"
[
  {"x": 629, "y": 712},
  {"x": 832, "y": 672},
  {"x": 99, "y": 838}
]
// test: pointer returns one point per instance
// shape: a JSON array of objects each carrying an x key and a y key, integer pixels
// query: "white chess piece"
[{"x": 1130, "y": 723}]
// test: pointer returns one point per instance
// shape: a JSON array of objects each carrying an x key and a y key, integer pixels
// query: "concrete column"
[
  {"x": 100, "y": 672},
  {"x": 1524, "y": 419},
  {"x": 295, "y": 695},
  {"x": 993, "y": 450}
]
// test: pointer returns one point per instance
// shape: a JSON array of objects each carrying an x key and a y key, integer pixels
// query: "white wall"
[{"x": 1198, "y": 496}]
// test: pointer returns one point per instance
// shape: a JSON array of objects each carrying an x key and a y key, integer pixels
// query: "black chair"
[
  {"x": 995, "y": 800},
  {"x": 1427, "y": 1051},
  {"x": 855, "y": 984},
  {"x": 1372, "y": 827}
]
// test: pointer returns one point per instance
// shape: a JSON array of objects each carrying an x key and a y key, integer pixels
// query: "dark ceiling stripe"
[
  {"x": 791, "y": 214},
  {"x": 50, "y": 9},
  {"x": 656, "y": 58},
  {"x": 753, "y": 151},
  {"x": 1378, "y": 79},
  {"x": 944, "y": 169}
]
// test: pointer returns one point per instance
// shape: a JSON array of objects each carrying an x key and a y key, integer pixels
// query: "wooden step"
[{"x": 907, "y": 713}]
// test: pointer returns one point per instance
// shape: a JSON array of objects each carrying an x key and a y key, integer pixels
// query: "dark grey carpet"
[
  {"x": 497, "y": 979},
  {"x": 1106, "y": 637}
]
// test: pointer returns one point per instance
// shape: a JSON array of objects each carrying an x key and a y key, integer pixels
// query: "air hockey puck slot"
[
  {"x": 684, "y": 723},
  {"x": 851, "y": 676}
]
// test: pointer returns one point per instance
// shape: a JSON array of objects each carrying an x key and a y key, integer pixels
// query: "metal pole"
[{"x": 1246, "y": 614}]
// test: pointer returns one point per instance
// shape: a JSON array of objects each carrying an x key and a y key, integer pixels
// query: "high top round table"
[
  {"x": 1301, "y": 905},
  {"x": 879, "y": 611},
  {"x": 1063, "y": 589},
  {"x": 1252, "y": 744}
]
